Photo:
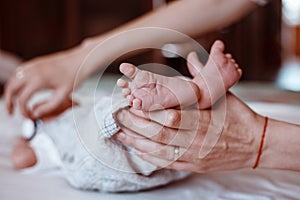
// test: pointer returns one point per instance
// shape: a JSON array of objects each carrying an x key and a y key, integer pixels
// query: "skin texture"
[
  {"x": 40, "y": 73},
  {"x": 233, "y": 150},
  {"x": 236, "y": 148},
  {"x": 23, "y": 155},
  {"x": 149, "y": 91},
  {"x": 155, "y": 135}
]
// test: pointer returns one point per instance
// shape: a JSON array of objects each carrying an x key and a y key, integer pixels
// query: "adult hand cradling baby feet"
[{"x": 176, "y": 139}]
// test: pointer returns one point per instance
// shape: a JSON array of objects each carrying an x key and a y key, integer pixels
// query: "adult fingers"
[
  {"x": 198, "y": 166},
  {"x": 12, "y": 87},
  {"x": 150, "y": 152},
  {"x": 25, "y": 95},
  {"x": 178, "y": 119},
  {"x": 163, "y": 151},
  {"x": 157, "y": 132},
  {"x": 68, "y": 103},
  {"x": 163, "y": 155},
  {"x": 145, "y": 145},
  {"x": 50, "y": 105},
  {"x": 175, "y": 165}
]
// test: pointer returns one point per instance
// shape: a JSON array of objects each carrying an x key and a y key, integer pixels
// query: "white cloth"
[
  {"x": 92, "y": 162},
  {"x": 48, "y": 157}
]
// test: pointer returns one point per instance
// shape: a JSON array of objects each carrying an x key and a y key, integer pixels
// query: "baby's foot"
[
  {"x": 218, "y": 75},
  {"x": 149, "y": 91},
  {"x": 23, "y": 155}
]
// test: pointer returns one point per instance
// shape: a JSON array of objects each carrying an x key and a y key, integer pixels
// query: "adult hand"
[
  {"x": 175, "y": 138},
  {"x": 56, "y": 72}
]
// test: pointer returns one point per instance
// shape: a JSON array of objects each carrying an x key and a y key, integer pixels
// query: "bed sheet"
[{"x": 242, "y": 184}]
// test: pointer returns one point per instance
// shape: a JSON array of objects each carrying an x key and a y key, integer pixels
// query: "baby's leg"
[
  {"x": 218, "y": 75},
  {"x": 149, "y": 91}
]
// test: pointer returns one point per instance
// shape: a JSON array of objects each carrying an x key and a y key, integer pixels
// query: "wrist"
[
  {"x": 261, "y": 145},
  {"x": 91, "y": 42},
  {"x": 256, "y": 127},
  {"x": 91, "y": 61},
  {"x": 281, "y": 149},
  {"x": 81, "y": 53},
  {"x": 87, "y": 43}
]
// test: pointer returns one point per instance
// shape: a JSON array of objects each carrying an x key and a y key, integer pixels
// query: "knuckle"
[
  {"x": 202, "y": 121},
  {"x": 163, "y": 136},
  {"x": 173, "y": 118}
]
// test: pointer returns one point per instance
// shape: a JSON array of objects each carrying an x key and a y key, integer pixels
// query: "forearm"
[
  {"x": 282, "y": 146},
  {"x": 191, "y": 17}
]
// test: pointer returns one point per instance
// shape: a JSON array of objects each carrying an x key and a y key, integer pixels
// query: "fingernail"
[{"x": 36, "y": 114}]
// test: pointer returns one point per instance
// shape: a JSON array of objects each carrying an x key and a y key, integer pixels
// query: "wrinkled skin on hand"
[{"x": 155, "y": 136}]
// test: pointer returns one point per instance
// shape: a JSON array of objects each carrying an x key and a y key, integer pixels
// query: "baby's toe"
[
  {"x": 217, "y": 47},
  {"x": 137, "y": 104},
  {"x": 240, "y": 72},
  {"x": 122, "y": 83},
  {"x": 228, "y": 55},
  {"x": 126, "y": 92},
  {"x": 130, "y": 99},
  {"x": 128, "y": 70}
]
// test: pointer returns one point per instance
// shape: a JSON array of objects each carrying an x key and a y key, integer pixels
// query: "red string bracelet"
[{"x": 261, "y": 143}]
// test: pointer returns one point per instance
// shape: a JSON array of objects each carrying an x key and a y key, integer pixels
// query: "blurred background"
[{"x": 266, "y": 43}]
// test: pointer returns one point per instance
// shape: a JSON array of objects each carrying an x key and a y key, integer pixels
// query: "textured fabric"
[
  {"x": 93, "y": 162},
  {"x": 48, "y": 158},
  {"x": 109, "y": 127},
  {"x": 106, "y": 118}
]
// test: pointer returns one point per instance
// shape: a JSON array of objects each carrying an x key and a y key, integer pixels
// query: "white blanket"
[{"x": 75, "y": 144}]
